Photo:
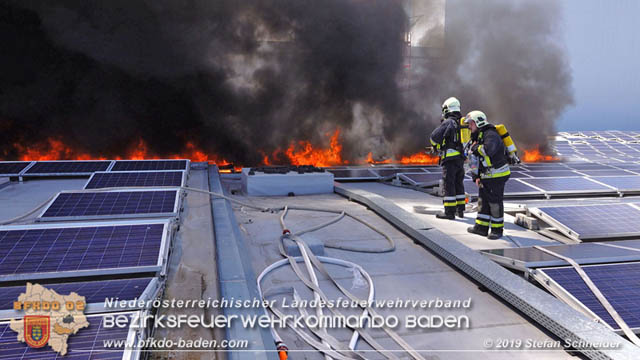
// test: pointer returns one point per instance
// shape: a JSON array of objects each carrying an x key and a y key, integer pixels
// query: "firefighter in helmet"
[
  {"x": 493, "y": 173},
  {"x": 446, "y": 141}
]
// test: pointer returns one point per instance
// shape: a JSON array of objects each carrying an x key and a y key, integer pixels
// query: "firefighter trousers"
[
  {"x": 453, "y": 183},
  {"x": 491, "y": 205}
]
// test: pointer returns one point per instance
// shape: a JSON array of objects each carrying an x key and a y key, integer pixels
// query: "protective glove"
[{"x": 474, "y": 149}]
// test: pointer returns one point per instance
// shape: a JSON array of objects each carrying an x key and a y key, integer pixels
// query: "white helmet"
[
  {"x": 450, "y": 105},
  {"x": 478, "y": 117}
]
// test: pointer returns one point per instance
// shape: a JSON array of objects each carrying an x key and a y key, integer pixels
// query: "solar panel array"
[
  {"x": 101, "y": 180},
  {"x": 97, "y": 204},
  {"x": 84, "y": 168},
  {"x": 593, "y": 221},
  {"x": 55, "y": 249},
  {"x": 619, "y": 283},
  {"x": 603, "y": 146},
  {"x": 98, "y": 260}
]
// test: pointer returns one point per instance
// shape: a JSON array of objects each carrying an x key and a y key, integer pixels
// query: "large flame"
[
  {"x": 535, "y": 155},
  {"x": 303, "y": 153},
  {"x": 297, "y": 153},
  {"x": 52, "y": 149},
  {"x": 419, "y": 158}
]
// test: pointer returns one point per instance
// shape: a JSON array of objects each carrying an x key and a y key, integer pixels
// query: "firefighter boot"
[
  {"x": 478, "y": 230},
  {"x": 495, "y": 234},
  {"x": 445, "y": 215}
]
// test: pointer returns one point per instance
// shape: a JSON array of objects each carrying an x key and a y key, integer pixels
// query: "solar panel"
[
  {"x": 67, "y": 167},
  {"x": 44, "y": 251},
  {"x": 619, "y": 283},
  {"x": 421, "y": 179},
  {"x": 12, "y": 168},
  {"x": 87, "y": 205},
  {"x": 132, "y": 179},
  {"x": 519, "y": 174},
  {"x": 567, "y": 185},
  {"x": 353, "y": 174},
  {"x": 93, "y": 291},
  {"x": 622, "y": 183},
  {"x": 544, "y": 166},
  {"x": 552, "y": 173},
  {"x": 513, "y": 188},
  {"x": 612, "y": 172},
  {"x": 88, "y": 343},
  {"x": 588, "y": 166},
  {"x": 149, "y": 165},
  {"x": 592, "y": 221},
  {"x": 583, "y": 253}
]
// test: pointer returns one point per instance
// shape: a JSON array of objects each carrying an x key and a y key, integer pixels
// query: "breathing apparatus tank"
[
  {"x": 465, "y": 133},
  {"x": 508, "y": 143}
]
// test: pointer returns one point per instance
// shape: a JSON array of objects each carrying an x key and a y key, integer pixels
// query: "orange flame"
[
  {"x": 303, "y": 153},
  {"x": 534, "y": 155},
  {"x": 419, "y": 158},
  {"x": 52, "y": 149},
  {"x": 297, "y": 153},
  {"x": 55, "y": 149}
]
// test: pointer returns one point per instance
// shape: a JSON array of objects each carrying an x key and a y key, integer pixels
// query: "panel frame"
[
  {"x": 24, "y": 173},
  {"x": 560, "y": 292},
  {"x": 403, "y": 177},
  {"x": 377, "y": 172},
  {"x": 159, "y": 268},
  {"x": 175, "y": 213},
  {"x": 187, "y": 165},
  {"x": 373, "y": 177},
  {"x": 571, "y": 233},
  {"x": 182, "y": 184}
]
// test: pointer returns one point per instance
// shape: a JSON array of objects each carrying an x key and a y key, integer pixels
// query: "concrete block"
[
  {"x": 527, "y": 222},
  {"x": 261, "y": 184}
]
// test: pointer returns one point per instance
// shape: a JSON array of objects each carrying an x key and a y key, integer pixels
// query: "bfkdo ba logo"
[
  {"x": 36, "y": 330},
  {"x": 49, "y": 318}
]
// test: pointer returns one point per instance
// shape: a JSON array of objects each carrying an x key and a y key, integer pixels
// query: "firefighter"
[
  {"x": 446, "y": 141},
  {"x": 493, "y": 173}
]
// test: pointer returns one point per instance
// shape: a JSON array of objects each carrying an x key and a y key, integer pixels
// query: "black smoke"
[{"x": 243, "y": 78}]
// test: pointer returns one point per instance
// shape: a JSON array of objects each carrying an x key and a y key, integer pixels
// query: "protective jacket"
[
  {"x": 492, "y": 153},
  {"x": 446, "y": 138}
]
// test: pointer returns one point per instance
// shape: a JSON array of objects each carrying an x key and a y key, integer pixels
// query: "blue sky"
[{"x": 603, "y": 40}]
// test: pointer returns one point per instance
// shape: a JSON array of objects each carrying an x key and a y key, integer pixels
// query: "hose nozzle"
[{"x": 283, "y": 350}]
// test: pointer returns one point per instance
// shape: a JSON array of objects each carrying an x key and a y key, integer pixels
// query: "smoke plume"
[{"x": 243, "y": 78}]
